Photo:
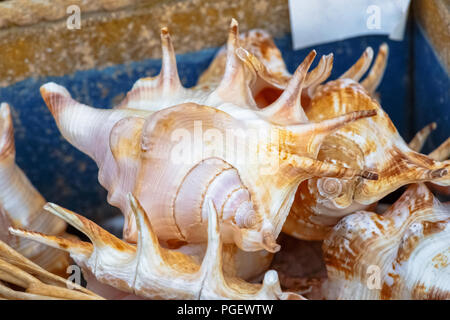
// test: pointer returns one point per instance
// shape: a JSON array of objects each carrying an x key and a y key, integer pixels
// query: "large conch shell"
[
  {"x": 150, "y": 271},
  {"x": 372, "y": 143},
  {"x": 21, "y": 205},
  {"x": 173, "y": 147},
  {"x": 402, "y": 254},
  {"x": 21, "y": 279}
]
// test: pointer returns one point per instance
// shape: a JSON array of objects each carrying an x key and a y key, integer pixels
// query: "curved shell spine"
[
  {"x": 21, "y": 205},
  {"x": 441, "y": 153},
  {"x": 134, "y": 146},
  {"x": 150, "y": 271},
  {"x": 401, "y": 254}
]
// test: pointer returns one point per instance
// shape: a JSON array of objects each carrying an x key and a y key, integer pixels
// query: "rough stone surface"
[{"x": 40, "y": 44}]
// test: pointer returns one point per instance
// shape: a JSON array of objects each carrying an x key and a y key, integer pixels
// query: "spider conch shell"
[
  {"x": 21, "y": 205},
  {"x": 173, "y": 147},
  {"x": 369, "y": 143},
  {"x": 372, "y": 143},
  {"x": 401, "y": 254},
  {"x": 151, "y": 271}
]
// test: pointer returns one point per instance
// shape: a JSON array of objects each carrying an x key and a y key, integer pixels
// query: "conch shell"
[
  {"x": 21, "y": 205},
  {"x": 150, "y": 271},
  {"x": 402, "y": 254},
  {"x": 371, "y": 143},
  {"x": 173, "y": 147}
]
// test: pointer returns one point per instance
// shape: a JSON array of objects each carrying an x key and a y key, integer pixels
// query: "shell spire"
[
  {"x": 316, "y": 168},
  {"x": 234, "y": 85},
  {"x": 316, "y": 132},
  {"x": 319, "y": 74},
  {"x": 287, "y": 108},
  {"x": 373, "y": 79},
  {"x": 7, "y": 131},
  {"x": 153, "y": 272},
  {"x": 88, "y": 129},
  {"x": 154, "y": 93},
  {"x": 78, "y": 123},
  {"x": 416, "y": 144},
  {"x": 360, "y": 67},
  {"x": 168, "y": 76}
]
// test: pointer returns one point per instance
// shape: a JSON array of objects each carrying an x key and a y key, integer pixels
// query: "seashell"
[
  {"x": 21, "y": 205},
  {"x": 401, "y": 254},
  {"x": 373, "y": 144},
  {"x": 151, "y": 271},
  {"x": 173, "y": 147},
  {"x": 21, "y": 279}
]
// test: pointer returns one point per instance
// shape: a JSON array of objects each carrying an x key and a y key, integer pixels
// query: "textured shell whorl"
[{"x": 401, "y": 254}]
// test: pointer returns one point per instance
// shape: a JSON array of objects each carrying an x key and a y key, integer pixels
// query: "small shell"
[
  {"x": 174, "y": 147},
  {"x": 21, "y": 205},
  {"x": 401, "y": 254},
  {"x": 147, "y": 270}
]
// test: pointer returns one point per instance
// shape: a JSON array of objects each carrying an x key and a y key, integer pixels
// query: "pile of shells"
[{"x": 208, "y": 177}]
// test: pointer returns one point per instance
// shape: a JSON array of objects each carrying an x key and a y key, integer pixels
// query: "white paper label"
[{"x": 319, "y": 21}]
